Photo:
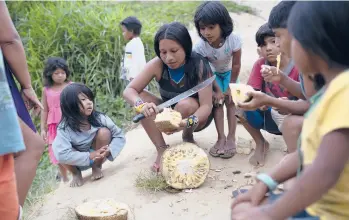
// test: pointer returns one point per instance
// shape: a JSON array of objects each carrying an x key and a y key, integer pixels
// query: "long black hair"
[
  {"x": 70, "y": 107},
  {"x": 213, "y": 12},
  {"x": 320, "y": 28},
  {"x": 196, "y": 66},
  {"x": 51, "y": 65}
]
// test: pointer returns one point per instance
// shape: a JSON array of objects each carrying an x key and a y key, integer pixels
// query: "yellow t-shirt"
[{"x": 328, "y": 113}]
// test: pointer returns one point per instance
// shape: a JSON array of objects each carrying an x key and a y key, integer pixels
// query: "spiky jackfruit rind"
[
  {"x": 185, "y": 166},
  {"x": 168, "y": 120}
]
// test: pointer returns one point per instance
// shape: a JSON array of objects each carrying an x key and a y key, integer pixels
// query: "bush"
[{"x": 88, "y": 36}]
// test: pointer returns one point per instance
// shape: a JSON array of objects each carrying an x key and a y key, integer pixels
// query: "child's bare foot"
[
  {"x": 258, "y": 158},
  {"x": 96, "y": 173},
  {"x": 229, "y": 149},
  {"x": 77, "y": 179},
  {"x": 156, "y": 165},
  {"x": 65, "y": 179},
  {"x": 219, "y": 146}
]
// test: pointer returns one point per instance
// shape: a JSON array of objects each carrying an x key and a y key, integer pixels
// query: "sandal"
[
  {"x": 228, "y": 154},
  {"x": 214, "y": 152}
]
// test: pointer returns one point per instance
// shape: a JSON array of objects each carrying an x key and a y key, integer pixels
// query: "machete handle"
[{"x": 138, "y": 117}]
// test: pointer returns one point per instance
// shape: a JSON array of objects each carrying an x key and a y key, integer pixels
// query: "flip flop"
[
  {"x": 215, "y": 152},
  {"x": 238, "y": 192},
  {"x": 228, "y": 154}
]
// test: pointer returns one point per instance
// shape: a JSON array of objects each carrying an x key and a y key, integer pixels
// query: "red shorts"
[{"x": 9, "y": 205}]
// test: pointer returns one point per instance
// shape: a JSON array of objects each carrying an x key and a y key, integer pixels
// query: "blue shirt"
[{"x": 11, "y": 139}]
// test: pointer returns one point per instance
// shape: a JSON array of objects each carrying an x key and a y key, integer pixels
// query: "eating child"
[
  {"x": 56, "y": 74},
  {"x": 134, "y": 58},
  {"x": 321, "y": 190},
  {"x": 85, "y": 137},
  {"x": 266, "y": 118},
  {"x": 222, "y": 48}
]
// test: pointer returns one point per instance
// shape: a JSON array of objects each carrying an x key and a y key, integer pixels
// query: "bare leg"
[
  {"x": 63, "y": 173},
  {"x": 262, "y": 146},
  {"x": 291, "y": 129},
  {"x": 230, "y": 146},
  {"x": 27, "y": 161},
  {"x": 187, "y": 107},
  {"x": 77, "y": 177},
  {"x": 152, "y": 131},
  {"x": 218, "y": 148},
  {"x": 102, "y": 138}
]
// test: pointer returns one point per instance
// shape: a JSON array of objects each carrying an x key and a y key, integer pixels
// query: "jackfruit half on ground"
[
  {"x": 185, "y": 166},
  {"x": 104, "y": 209}
]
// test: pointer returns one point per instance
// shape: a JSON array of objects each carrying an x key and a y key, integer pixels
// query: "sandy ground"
[{"x": 210, "y": 201}]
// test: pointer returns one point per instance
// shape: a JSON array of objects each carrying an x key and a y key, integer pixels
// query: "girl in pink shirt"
[{"x": 56, "y": 74}]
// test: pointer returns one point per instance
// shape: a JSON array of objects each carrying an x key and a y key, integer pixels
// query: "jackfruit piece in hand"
[
  {"x": 239, "y": 92},
  {"x": 168, "y": 120},
  {"x": 185, "y": 166},
  {"x": 106, "y": 209}
]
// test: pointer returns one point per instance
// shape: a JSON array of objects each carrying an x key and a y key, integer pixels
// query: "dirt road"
[{"x": 211, "y": 201}]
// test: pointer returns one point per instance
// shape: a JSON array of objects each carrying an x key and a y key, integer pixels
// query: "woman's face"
[
  {"x": 171, "y": 53},
  {"x": 86, "y": 105}
]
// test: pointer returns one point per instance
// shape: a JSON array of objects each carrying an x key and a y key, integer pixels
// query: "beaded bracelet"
[
  {"x": 192, "y": 122},
  {"x": 139, "y": 105}
]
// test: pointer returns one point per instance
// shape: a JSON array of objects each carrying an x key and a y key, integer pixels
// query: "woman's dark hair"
[
  {"x": 320, "y": 27},
  {"x": 51, "y": 65},
  {"x": 279, "y": 14},
  {"x": 70, "y": 107},
  {"x": 196, "y": 66},
  {"x": 263, "y": 32},
  {"x": 213, "y": 13},
  {"x": 177, "y": 32},
  {"x": 132, "y": 24}
]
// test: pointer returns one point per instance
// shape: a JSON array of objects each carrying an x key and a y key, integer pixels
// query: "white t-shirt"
[
  {"x": 220, "y": 58},
  {"x": 134, "y": 59}
]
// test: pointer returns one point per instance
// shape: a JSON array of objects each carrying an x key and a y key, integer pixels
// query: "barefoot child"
[
  {"x": 134, "y": 58},
  {"x": 56, "y": 74},
  {"x": 321, "y": 190},
  {"x": 222, "y": 47},
  {"x": 85, "y": 137},
  {"x": 265, "y": 117}
]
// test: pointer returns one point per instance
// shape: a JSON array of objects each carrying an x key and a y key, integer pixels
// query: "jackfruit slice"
[
  {"x": 239, "y": 92},
  {"x": 278, "y": 60},
  {"x": 168, "y": 120},
  {"x": 106, "y": 209},
  {"x": 185, "y": 166}
]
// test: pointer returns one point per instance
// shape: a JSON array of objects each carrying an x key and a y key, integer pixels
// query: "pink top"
[{"x": 53, "y": 103}]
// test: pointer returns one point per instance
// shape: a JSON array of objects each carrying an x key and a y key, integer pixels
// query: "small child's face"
[
  {"x": 128, "y": 35},
  {"x": 211, "y": 32},
  {"x": 283, "y": 38},
  {"x": 86, "y": 105},
  {"x": 59, "y": 76},
  {"x": 270, "y": 49}
]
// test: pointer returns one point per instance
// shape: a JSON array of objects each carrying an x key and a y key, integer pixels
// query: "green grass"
[{"x": 87, "y": 34}]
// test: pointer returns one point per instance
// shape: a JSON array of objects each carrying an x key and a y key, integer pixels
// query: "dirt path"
[{"x": 211, "y": 201}]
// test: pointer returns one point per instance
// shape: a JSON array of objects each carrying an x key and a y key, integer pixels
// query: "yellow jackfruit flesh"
[
  {"x": 168, "y": 120},
  {"x": 106, "y": 209},
  {"x": 239, "y": 92},
  {"x": 185, "y": 166}
]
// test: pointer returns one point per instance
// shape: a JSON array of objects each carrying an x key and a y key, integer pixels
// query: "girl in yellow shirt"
[{"x": 320, "y": 49}]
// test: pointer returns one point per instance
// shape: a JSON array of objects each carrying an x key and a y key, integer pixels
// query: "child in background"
[
  {"x": 321, "y": 190},
  {"x": 85, "y": 137},
  {"x": 222, "y": 48},
  {"x": 265, "y": 117},
  {"x": 56, "y": 74},
  {"x": 134, "y": 58}
]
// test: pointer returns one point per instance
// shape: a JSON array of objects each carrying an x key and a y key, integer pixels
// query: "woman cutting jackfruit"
[{"x": 176, "y": 69}]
